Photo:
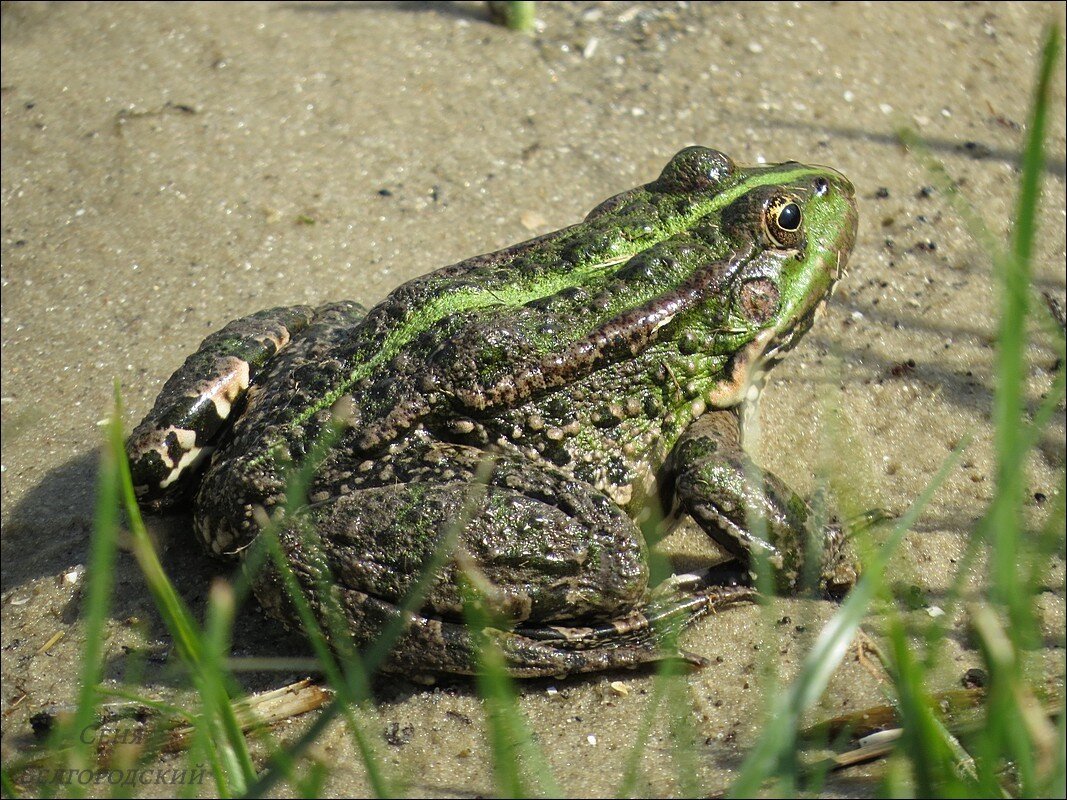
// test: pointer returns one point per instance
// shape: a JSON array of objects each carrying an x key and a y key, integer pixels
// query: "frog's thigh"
[
  {"x": 545, "y": 546},
  {"x": 711, "y": 480},
  {"x": 198, "y": 400},
  {"x": 544, "y": 556}
]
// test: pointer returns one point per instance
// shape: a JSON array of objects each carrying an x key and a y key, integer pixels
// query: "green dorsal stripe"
[{"x": 551, "y": 283}]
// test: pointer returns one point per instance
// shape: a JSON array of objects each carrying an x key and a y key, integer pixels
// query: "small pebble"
[{"x": 974, "y": 678}]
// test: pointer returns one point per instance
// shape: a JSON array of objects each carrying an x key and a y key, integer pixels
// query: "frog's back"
[{"x": 460, "y": 320}]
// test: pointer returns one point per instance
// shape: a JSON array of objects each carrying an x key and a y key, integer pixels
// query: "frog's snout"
[{"x": 839, "y": 190}]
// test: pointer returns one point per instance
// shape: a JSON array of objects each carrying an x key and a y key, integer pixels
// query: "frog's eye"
[
  {"x": 781, "y": 220},
  {"x": 789, "y": 217}
]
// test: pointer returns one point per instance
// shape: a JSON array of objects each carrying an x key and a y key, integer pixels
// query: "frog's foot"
[
  {"x": 840, "y": 569},
  {"x": 658, "y": 620}
]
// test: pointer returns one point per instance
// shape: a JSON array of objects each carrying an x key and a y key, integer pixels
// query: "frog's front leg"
[
  {"x": 712, "y": 483},
  {"x": 198, "y": 402}
]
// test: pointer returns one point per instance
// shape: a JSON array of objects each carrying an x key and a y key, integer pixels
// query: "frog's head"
[
  {"x": 804, "y": 228},
  {"x": 800, "y": 223},
  {"x": 784, "y": 233}
]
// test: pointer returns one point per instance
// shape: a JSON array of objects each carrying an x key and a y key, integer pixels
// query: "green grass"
[
  {"x": 518, "y": 15},
  {"x": 1016, "y": 751}
]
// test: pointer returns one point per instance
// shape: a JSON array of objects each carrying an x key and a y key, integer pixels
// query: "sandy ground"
[{"x": 169, "y": 167}]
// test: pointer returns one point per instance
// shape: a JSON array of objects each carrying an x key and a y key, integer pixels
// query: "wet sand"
[{"x": 169, "y": 167}]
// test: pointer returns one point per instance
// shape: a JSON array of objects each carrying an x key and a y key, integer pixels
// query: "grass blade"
[
  {"x": 100, "y": 582},
  {"x": 778, "y": 740}
]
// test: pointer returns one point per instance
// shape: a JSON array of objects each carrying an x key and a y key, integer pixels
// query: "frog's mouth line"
[
  {"x": 786, "y": 340},
  {"x": 769, "y": 347},
  {"x": 778, "y": 347}
]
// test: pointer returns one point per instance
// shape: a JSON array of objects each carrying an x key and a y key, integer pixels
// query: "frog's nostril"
[{"x": 822, "y": 186}]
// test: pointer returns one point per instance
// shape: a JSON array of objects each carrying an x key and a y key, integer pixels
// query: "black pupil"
[{"x": 789, "y": 217}]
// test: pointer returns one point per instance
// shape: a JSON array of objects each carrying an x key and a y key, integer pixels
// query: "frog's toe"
[
  {"x": 868, "y": 519},
  {"x": 682, "y": 584}
]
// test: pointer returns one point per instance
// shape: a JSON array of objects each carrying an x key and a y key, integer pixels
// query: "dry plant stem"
[
  {"x": 883, "y": 745},
  {"x": 266, "y": 708},
  {"x": 255, "y": 711},
  {"x": 871, "y": 720}
]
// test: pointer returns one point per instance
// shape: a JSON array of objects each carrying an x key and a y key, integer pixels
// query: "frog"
[{"x": 526, "y": 421}]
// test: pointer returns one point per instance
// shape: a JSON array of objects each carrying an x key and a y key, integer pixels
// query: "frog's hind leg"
[
  {"x": 638, "y": 638},
  {"x": 562, "y": 567},
  {"x": 430, "y": 645},
  {"x": 199, "y": 401}
]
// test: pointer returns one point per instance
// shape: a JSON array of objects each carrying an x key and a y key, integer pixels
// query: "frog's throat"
[
  {"x": 745, "y": 371},
  {"x": 780, "y": 344},
  {"x": 749, "y": 366}
]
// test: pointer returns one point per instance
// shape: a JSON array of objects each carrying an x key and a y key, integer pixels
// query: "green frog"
[{"x": 536, "y": 411}]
